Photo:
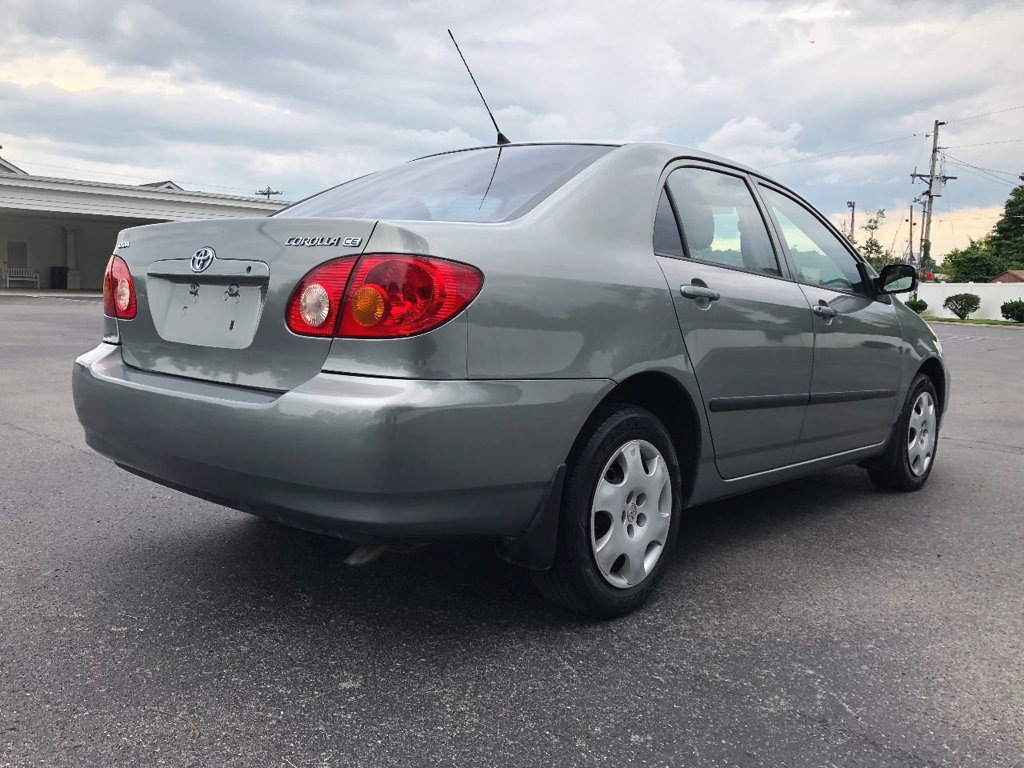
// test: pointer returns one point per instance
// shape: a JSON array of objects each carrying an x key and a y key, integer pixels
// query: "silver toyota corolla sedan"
[{"x": 557, "y": 346}]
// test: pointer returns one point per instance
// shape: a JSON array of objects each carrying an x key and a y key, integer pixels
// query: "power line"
[
  {"x": 985, "y": 143},
  {"x": 121, "y": 175},
  {"x": 841, "y": 151},
  {"x": 980, "y": 168},
  {"x": 983, "y": 175},
  {"x": 963, "y": 218},
  {"x": 896, "y": 234},
  {"x": 904, "y": 138},
  {"x": 986, "y": 114}
]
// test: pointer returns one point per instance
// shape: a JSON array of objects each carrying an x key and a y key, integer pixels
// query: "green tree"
[
  {"x": 1007, "y": 239},
  {"x": 872, "y": 250},
  {"x": 962, "y": 304},
  {"x": 1013, "y": 310},
  {"x": 977, "y": 263}
]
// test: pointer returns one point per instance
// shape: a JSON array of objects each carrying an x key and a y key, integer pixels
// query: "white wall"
[{"x": 992, "y": 296}]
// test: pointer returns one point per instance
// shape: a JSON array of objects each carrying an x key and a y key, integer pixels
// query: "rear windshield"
[{"x": 486, "y": 185}]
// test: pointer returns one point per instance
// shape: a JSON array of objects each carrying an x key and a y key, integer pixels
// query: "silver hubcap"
[
  {"x": 921, "y": 434},
  {"x": 631, "y": 514}
]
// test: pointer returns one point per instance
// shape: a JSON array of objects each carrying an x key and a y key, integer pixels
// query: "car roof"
[{"x": 652, "y": 151}]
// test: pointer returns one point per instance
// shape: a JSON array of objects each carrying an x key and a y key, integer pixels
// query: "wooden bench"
[{"x": 10, "y": 275}]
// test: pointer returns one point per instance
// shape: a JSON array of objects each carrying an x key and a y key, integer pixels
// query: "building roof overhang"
[
  {"x": 6, "y": 167},
  {"x": 24, "y": 192}
]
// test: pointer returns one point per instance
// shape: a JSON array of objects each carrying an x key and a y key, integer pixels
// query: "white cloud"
[
  {"x": 304, "y": 94},
  {"x": 752, "y": 141},
  {"x": 860, "y": 169},
  {"x": 65, "y": 71}
]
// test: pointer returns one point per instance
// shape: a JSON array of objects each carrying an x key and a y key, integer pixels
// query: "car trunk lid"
[{"x": 212, "y": 297}]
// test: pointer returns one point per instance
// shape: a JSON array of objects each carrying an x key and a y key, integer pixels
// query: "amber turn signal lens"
[{"x": 368, "y": 304}]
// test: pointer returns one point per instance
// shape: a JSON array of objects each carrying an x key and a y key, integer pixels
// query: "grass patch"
[{"x": 971, "y": 321}]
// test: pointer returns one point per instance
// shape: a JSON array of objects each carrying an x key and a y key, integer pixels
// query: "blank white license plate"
[{"x": 218, "y": 314}]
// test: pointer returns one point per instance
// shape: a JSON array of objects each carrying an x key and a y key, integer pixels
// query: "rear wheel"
[
  {"x": 620, "y": 514},
  {"x": 917, "y": 436}
]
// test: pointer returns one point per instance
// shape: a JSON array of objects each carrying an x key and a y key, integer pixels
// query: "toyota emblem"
[{"x": 202, "y": 259}]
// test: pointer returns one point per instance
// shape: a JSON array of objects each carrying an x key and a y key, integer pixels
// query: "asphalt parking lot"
[{"x": 820, "y": 623}]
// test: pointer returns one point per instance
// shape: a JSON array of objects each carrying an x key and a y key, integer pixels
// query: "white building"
[{"x": 72, "y": 225}]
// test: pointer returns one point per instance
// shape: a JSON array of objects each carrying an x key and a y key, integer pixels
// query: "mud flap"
[{"x": 535, "y": 547}]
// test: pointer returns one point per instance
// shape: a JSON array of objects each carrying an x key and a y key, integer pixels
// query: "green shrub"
[
  {"x": 918, "y": 305},
  {"x": 1013, "y": 310},
  {"x": 962, "y": 304}
]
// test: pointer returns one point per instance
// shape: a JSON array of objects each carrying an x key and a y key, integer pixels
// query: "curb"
[
  {"x": 971, "y": 325},
  {"x": 62, "y": 296}
]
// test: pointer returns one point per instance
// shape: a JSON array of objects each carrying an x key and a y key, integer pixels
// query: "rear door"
[
  {"x": 858, "y": 339},
  {"x": 746, "y": 326}
]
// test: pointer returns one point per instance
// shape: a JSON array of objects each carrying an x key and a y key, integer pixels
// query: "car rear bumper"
[{"x": 355, "y": 456}]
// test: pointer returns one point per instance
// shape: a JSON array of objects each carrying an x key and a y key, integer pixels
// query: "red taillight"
[
  {"x": 394, "y": 295},
  {"x": 388, "y": 296},
  {"x": 313, "y": 307},
  {"x": 118, "y": 290}
]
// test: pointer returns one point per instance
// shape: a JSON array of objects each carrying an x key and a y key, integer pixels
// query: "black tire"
[
  {"x": 576, "y": 580},
  {"x": 910, "y": 471}
]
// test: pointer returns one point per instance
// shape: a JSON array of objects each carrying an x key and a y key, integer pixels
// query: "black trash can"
[{"x": 59, "y": 277}]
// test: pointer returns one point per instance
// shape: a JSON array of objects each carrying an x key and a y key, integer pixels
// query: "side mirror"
[{"x": 896, "y": 278}]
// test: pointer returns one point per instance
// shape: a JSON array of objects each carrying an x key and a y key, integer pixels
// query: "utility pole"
[
  {"x": 922, "y": 203},
  {"x": 935, "y": 184},
  {"x": 910, "y": 237},
  {"x": 852, "y": 205},
  {"x": 267, "y": 192}
]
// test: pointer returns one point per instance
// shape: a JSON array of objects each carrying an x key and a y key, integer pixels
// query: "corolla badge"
[
  {"x": 202, "y": 259},
  {"x": 313, "y": 242}
]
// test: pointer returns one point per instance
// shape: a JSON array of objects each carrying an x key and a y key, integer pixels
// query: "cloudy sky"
[{"x": 833, "y": 98}]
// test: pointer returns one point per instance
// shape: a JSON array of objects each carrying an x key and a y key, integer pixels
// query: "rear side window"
[
  {"x": 483, "y": 185},
  {"x": 667, "y": 241},
  {"x": 720, "y": 220}
]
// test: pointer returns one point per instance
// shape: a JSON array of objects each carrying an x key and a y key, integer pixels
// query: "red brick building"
[{"x": 1009, "y": 276}]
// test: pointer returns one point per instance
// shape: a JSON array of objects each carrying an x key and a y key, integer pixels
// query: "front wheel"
[
  {"x": 620, "y": 514},
  {"x": 917, "y": 438}
]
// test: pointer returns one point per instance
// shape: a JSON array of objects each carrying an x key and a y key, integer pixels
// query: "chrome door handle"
[
  {"x": 696, "y": 292},
  {"x": 823, "y": 310}
]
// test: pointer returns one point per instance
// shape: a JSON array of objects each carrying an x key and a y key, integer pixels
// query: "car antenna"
[{"x": 502, "y": 139}]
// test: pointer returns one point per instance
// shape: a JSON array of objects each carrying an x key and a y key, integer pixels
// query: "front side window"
[
  {"x": 482, "y": 185},
  {"x": 819, "y": 256},
  {"x": 720, "y": 220}
]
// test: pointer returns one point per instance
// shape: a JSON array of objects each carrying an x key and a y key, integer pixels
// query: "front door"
[
  {"x": 747, "y": 329},
  {"x": 858, "y": 340}
]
